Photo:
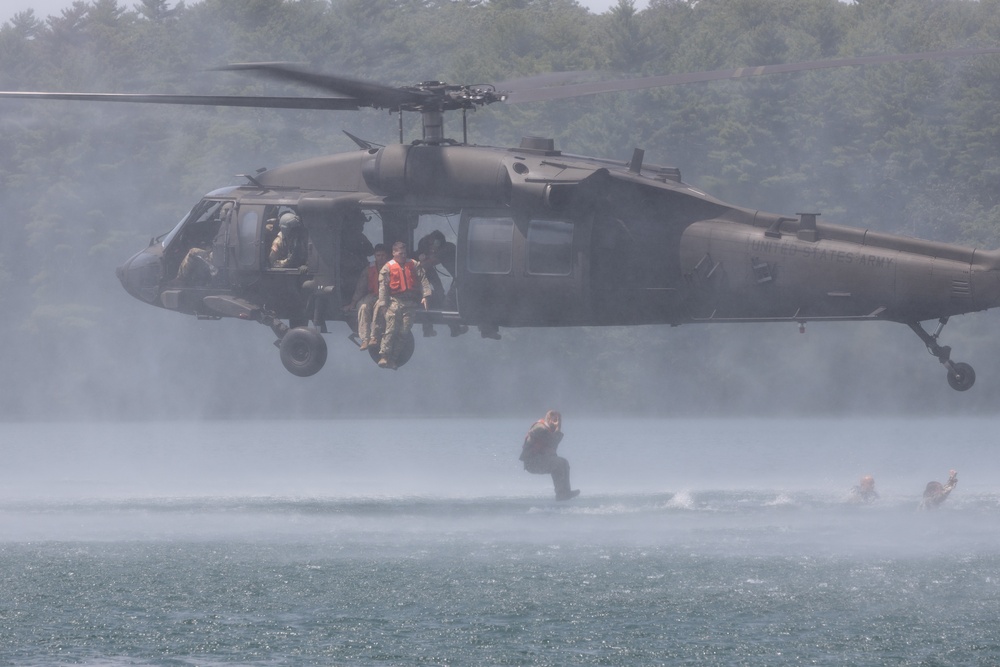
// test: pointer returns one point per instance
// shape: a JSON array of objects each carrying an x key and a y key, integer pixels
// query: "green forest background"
[{"x": 908, "y": 148}]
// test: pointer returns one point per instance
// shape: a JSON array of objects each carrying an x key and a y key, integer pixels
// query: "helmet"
[{"x": 289, "y": 222}]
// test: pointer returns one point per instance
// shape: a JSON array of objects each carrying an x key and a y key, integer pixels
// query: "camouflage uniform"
[
  {"x": 399, "y": 307},
  {"x": 281, "y": 254},
  {"x": 196, "y": 267},
  {"x": 288, "y": 251},
  {"x": 370, "y": 324}
]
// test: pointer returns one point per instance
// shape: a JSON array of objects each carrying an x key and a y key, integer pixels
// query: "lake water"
[{"x": 422, "y": 542}]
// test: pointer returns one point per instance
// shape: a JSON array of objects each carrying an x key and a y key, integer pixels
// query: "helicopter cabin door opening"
[
  {"x": 342, "y": 235},
  {"x": 522, "y": 271},
  {"x": 432, "y": 243}
]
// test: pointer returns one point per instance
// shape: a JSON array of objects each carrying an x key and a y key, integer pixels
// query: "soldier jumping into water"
[{"x": 539, "y": 454}]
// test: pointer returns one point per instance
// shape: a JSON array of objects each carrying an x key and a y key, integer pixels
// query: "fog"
[
  {"x": 471, "y": 457},
  {"x": 85, "y": 350},
  {"x": 737, "y": 486}
]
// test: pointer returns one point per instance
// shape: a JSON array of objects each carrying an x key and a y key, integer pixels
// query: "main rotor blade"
[
  {"x": 365, "y": 92},
  {"x": 323, "y": 103},
  {"x": 540, "y": 94}
]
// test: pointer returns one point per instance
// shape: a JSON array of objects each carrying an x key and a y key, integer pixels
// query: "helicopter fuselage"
[{"x": 547, "y": 239}]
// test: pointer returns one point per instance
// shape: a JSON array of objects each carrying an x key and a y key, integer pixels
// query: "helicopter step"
[
  {"x": 961, "y": 376},
  {"x": 436, "y": 317},
  {"x": 231, "y": 306}
]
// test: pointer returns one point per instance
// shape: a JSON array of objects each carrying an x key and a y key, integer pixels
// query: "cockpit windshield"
[
  {"x": 201, "y": 224},
  {"x": 203, "y": 211}
]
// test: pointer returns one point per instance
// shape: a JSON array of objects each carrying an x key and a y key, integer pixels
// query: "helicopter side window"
[
  {"x": 491, "y": 242},
  {"x": 550, "y": 247}
]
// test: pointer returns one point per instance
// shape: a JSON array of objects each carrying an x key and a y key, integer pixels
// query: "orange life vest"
[
  {"x": 402, "y": 278},
  {"x": 372, "y": 279}
]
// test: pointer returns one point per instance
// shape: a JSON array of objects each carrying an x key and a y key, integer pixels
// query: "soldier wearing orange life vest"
[
  {"x": 402, "y": 285},
  {"x": 370, "y": 322},
  {"x": 539, "y": 454}
]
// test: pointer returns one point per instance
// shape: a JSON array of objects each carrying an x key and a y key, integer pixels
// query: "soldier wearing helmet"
[{"x": 289, "y": 249}]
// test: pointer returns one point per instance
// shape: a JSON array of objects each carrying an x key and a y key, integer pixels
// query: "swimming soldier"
[
  {"x": 936, "y": 493},
  {"x": 865, "y": 491}
]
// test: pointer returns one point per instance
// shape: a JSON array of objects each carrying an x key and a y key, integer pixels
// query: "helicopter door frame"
[{"x": 246, "y": 255}]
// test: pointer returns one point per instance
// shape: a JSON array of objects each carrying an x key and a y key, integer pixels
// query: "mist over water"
[{"x": 643, "y": 480}]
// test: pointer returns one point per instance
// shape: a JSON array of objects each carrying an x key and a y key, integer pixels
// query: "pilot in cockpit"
[{"x": 197, "y": 267}]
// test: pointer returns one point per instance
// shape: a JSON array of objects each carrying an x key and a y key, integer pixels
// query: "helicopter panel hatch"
[
  {"x": 522, "y": 271},
  {"x": 633, "y": 279}
]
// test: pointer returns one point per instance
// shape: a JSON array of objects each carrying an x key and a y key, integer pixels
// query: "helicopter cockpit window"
[
  {"x": 550, "y": 247},
  {"x": 491, "y": 242},
  {"x": 200, "y": 226}
]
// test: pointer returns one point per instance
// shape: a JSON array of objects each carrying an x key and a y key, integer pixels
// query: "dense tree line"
[{"x": 910, "y": 148}]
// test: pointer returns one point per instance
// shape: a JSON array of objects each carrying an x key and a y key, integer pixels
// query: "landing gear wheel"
[
  {"x": 961, "y": 377},
  {"x": 303, "y": 351},
  {"x": 404, "y": 346}
]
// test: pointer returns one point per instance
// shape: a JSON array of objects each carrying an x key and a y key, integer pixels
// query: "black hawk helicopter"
[{"x": 544, "y": 239}]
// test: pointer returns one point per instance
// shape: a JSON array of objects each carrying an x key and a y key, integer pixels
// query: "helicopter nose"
[{"x": 140, "y": 275}]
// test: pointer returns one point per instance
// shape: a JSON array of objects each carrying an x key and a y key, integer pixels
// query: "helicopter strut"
[{"x": 961, "y": 375}]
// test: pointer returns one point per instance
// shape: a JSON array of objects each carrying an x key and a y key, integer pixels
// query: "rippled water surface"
[{"x": 422, "y": 542}]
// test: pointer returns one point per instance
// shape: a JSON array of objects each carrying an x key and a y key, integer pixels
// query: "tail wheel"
[
  {"x": 404, "y": 349},
  {"x": 303, "y": 351},
  {"x": 961, "y": 377}
]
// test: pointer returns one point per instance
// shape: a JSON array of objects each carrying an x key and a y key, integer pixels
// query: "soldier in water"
[
  {"x": 865, "y": 491},
  {"x": 936, "y": 493},
  {"x": 539, "y": 454}
]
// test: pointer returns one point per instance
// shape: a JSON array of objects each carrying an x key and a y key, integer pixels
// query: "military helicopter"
[{"x": 543, "y": 238}]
